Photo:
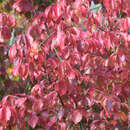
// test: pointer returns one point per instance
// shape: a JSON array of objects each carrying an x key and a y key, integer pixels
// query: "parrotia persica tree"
[{"x": 75, "y": 55}]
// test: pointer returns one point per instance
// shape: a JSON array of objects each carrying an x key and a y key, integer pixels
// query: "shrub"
[{"x": 73, "y": 59}]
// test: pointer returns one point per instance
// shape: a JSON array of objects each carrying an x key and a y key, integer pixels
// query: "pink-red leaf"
[
  {"x": 33, "y": 121},
  {"x": 76, "y": 116},
  {"x": 52, "y": 121},
  {"x": 12, "y": 52}
]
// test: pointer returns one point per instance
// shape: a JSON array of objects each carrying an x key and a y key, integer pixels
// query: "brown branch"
[{"x": 61, "y": 100}]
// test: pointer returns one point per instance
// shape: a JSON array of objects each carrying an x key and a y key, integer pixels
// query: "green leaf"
[
  {"x": 16, "y": 78},
  {"x": 28, "y": 88}
]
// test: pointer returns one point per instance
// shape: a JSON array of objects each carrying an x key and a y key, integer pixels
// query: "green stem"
[{"x": 81, "y": 126}]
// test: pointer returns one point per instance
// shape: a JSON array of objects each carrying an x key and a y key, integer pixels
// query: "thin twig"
[
  {"x": 102, "y": 29},
  {"x": 61, "y": 100},
  {"x": 57, "y": 55},
  {"x": 47, "y": 38},
  {"x": 48, "y": 32},
  {"x": 47, "y": 29}
]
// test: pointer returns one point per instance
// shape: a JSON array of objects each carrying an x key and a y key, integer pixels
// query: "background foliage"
[{"x": 64, "y": 65}]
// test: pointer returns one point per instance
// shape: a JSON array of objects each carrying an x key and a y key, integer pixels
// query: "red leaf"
[
  {"x": 23, "y": 5},
  {"x": 16, "y": 70},
  {"x": 33, "y": 121},
  {"x": 8, "y": 113},
  {"x": 52, "y": 121},
  {"x": 60, "y": 113},
  {"x": 108, "y": 43},
  {"x": 57, "y": 10},
  {"x": 5, "y": 34},
  {"x": 12, "y": 52},
  {"x": 61, "y": 88},
  {"x": 62, "y": 126},
  {"x": 3, "y": 19},
  {"x": 81, "y": 46},
  {"x": 59, "y": 40},
  {"x": 76, "y": 116},
  {"x": 11, "y": 21},
  {"x": 5, "y": 115},
  {"x": 20, "y": 101},
  {"x": 47, "y": 10},
  {"x": 38, "y": 105},
  {"x": 24, "y": 69}
]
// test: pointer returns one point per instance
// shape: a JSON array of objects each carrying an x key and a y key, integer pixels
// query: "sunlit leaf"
[
  {"x": 76, "y": 116},
  {"x": 95, "y": 7}
]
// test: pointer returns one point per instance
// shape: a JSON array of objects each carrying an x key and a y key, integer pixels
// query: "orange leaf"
[{"x": 123, "y": 116}]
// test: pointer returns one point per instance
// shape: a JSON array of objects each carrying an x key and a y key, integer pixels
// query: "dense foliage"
[{"x": 64, "y": 65}]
